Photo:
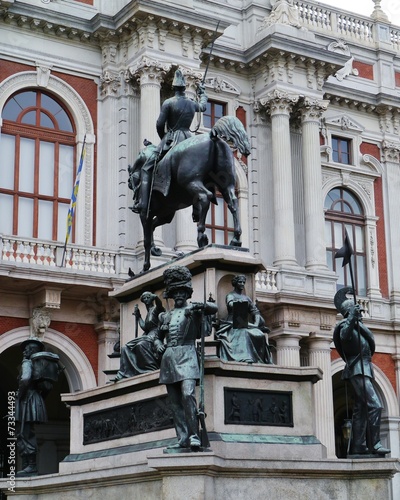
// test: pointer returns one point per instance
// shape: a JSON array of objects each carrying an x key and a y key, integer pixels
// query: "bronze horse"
[{"x": 196, "y": 168}]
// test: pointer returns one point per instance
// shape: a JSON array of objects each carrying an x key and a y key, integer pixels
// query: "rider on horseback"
[{"x": 173, "y": 126}]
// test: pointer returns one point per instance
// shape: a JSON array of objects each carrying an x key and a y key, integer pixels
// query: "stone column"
[
  {"x": 186, "y": 230},
  {"x": 287, "y": 349},
  {"x": 280, "y": 105},
  {"x": 391, "y": 157},
  {"x": 311, "y": 111},
  {"x": 319, "y": 355},
  {"x": 108, "y": 335},
  {"x": 150, "y": 74},
  {"x": 108, "y": 149}
]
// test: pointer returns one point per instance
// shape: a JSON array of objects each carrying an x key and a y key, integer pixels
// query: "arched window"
[
  {"x": 37, "y": 166},
  {"x": 344, "y": 212}
]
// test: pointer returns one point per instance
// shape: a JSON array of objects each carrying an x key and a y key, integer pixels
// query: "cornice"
[{"x": 104, "y": 28}]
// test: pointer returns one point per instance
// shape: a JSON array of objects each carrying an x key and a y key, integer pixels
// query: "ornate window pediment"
[
  {"x": 219, "y": 84},
  {"x": 345, "y": 123}
]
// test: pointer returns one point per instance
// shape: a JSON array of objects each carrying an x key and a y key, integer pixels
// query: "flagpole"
[{"x": 71, "y": 210}]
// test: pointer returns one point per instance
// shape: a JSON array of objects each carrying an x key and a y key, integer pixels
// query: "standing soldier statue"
[
  {"x": 355, "y": 344},
  {"x": 39, "y": 371},
  {"x": 180, "y": 327}
]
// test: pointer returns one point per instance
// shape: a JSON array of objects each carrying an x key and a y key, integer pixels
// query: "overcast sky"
[{"x": 366, "y": 7}]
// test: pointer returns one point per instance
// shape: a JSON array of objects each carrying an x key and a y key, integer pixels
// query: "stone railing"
[
  {"x": 341, "y": 24},
  {"x": 266, "y": 281},
  {"x": 48, "y": 254}
]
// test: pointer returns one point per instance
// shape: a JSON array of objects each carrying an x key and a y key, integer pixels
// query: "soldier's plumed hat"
[
  {"x": 32, "y": 340},
  {"x": 177, "y": 278},
  {"x": 179, "y": 79}
]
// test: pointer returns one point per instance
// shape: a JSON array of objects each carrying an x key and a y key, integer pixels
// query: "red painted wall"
[
  {"x": 82, "y": 335},
  {"x": 364, "y": 70},
  {"x": 373, "y": 150}
]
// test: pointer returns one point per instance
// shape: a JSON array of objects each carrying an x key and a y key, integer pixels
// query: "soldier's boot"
[
  {"x": 30, "y": 469},
  {"x": 143, "y": 200},
  {"x": 375, "y": 424}
]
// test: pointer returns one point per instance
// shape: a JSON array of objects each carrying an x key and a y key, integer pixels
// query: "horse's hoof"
[
  {"x": 235, "y": 243},
  {"x": 146, "y": 267},
  {"x": 156, "y": 251},
  {"x": 203, "y": 241}
]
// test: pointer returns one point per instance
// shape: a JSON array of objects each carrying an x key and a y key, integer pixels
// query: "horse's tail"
[{"x": 231, "y": 129}]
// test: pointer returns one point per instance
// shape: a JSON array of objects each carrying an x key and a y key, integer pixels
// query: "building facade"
[{"x": 318, "y": 92}]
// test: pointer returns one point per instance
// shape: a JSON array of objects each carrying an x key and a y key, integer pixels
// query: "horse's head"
[
  {"x": 134, "y": 170},
  {"x": 232, "y": 131}
]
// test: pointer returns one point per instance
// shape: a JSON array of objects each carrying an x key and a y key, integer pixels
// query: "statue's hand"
[
  {"x": 136, "y": 312},
  {"x": 200, "y": 89},
  {"x": 196, "y": 306},
  {"x": 160, "y": 349}
]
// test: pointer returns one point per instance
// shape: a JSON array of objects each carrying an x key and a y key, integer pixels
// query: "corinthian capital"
[
  {"x": 149, "y": 71},
  {"x": 391, "y": 152},
  {"x": 279, "y": 102},
  {"x": 312, "y": 109},
  {"x": 110, "y": 83}
]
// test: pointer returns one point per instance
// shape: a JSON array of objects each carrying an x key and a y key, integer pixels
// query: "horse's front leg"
[{"x": 147, "y": 225}]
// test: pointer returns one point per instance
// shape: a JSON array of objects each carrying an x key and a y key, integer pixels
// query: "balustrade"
[{"x": 39, "y": 253}]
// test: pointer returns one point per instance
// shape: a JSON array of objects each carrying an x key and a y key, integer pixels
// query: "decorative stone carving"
[
  {"x": 312, "y": 109},
  {"x": 346, "y": 71},
  {"x": 279, "y": 102},
  {"x": 149, "y": 71},
  {"x": 109, "y": 53},
  {"x": 391, "y": 152},
  {"x": 39, "y": 321},
  {"x": 219, "y": 84},
  {"x": 110, "y": 82},
  {"x": 339, "y": 46},
  {"x": 344, "y": 122},
  {"x": 372, "y": 163},
  {"x": 43, "y": 73},
  {"x": 283, "y": 12}
]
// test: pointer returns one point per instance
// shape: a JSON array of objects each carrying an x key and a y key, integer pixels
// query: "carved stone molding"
[
  {"x": 389, "y": 119},
  {"x": 372, "y": 247}
]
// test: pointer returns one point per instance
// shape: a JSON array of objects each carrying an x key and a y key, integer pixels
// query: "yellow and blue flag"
[{"x": 72, "y": 205}]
